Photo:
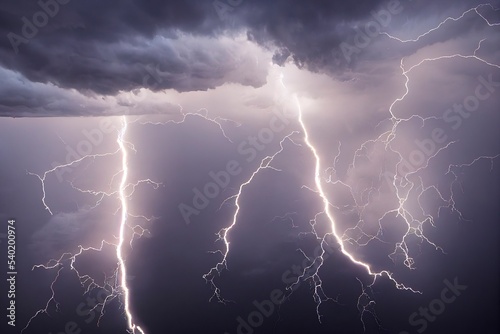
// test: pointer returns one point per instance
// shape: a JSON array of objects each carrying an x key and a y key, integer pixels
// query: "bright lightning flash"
[
  {"x": 117, "y": 284},
  {"x": 402, "y": 185},
  {"x": 123, "y": 226}
]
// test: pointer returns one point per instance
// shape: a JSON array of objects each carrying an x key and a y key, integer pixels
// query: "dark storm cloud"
[
  {"x": 97, "y": 46},
  {"x": 104, "y": 52},
  {"x": 105, "y": 47},
  {"x": 307, "y": 30}
]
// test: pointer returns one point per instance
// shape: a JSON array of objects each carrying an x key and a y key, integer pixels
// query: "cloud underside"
[{"x": 82, "y": 55}]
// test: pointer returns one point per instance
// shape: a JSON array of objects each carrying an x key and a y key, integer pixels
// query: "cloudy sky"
[{"x": 250, "y": 166}]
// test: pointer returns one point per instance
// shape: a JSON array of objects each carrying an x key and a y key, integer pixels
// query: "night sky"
[{"x": 249, "y": 166}]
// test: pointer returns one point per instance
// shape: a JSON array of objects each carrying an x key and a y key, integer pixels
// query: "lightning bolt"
[
  {"x": 319, "y": 295},
  {"x": 448, "y": 19},
  {"x": 73, "y": 163},
  {"x": 115, "y": 285},
  {"x": 402, "y": 184},
  {"x": 223, "y": 234},
  {"x": 404, "y": 188},
  {"x": 119, "y": 248},
  {"x": 404, "y": 179},
  {"x": 202, "y": 113}
]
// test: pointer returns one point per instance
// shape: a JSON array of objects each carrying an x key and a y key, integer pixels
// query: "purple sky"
[{"x": 343, "y": 156}]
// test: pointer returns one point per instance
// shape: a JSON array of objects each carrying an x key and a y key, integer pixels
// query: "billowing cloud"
[{"x": 107, "y": 48}]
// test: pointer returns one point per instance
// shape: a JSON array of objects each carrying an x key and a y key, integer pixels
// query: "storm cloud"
[{"x": 104, "y": 48}]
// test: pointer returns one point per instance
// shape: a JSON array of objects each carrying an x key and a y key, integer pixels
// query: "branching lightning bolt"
[
  {"x": 319, "y": 189},
  {"x": 402, "y": 185},
  {"x": 224, "y": 233},
  {"x": 119, "y": 249},
  {"x": 116, "y": 285},
  {"x": 448, "y": 19}
]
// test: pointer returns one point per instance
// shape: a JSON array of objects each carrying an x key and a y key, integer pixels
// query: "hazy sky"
[{"x": 356, "y": 138}]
